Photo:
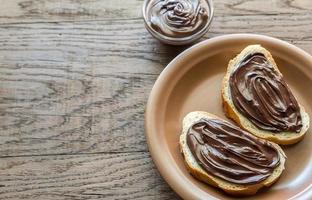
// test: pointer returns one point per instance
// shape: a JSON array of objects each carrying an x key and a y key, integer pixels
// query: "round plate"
[{"x": 192, "y": 82}]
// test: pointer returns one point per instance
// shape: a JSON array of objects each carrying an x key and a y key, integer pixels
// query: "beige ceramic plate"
[{"x": 192, "y": 81}]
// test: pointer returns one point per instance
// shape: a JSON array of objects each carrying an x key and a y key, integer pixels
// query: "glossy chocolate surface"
[
  {"x": 260, "y": 93},
  {"x": 228, "y": 152}
]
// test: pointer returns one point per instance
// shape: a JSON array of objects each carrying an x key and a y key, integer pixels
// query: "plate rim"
[{"x": 166, "y": 172}]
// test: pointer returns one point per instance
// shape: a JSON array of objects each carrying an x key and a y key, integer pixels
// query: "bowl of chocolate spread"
[{"x": 177, "y": 22}]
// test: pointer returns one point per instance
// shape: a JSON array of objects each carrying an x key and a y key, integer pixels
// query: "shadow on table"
[{"x": 171, "y": 51}]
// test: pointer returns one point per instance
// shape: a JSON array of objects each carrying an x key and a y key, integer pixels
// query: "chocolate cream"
[
  {"x": 260, "y": 93},
  {"x": 230, "y": 153},
  {"x": 177, "y": 18}
]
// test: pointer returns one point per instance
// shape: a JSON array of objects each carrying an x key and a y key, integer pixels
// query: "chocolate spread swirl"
[
  {"x": 230, "y": 153},
  {"x": 177, "y": 18},
  {"x": 260, "y": 93}
]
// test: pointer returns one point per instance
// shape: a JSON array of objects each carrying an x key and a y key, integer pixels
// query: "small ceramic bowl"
[{"x": 177, "y": 40}]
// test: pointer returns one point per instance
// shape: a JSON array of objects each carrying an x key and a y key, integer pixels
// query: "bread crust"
[
  {"x": 283, "y": 138},
  {"x": 233, "y": 189}
]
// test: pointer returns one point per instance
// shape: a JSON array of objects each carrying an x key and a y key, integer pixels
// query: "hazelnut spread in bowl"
[{"x": 177, "y": 22}]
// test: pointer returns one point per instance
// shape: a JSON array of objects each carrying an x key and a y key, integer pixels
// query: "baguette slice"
[
  {"x": 198, "y": 172},
  {"x": 283, "y": 138}
]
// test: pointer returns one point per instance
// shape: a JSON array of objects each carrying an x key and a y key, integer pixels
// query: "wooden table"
[{"x": 75, "y": 76}]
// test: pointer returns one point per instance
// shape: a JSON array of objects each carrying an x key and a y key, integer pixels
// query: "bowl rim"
[{"x": 167, "y": 171}]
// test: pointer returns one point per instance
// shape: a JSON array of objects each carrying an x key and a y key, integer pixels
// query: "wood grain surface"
[{"x": 75, "y": 76}]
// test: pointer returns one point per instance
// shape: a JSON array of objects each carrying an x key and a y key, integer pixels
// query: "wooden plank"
[
  {"x": 251, "y": 7},
  {"x": 44, "y": 90},
  {"x": 118, "y": 126},
  {"x": 23, "y": 134},
  {"x": 16, "y": 11},
  {"x": 87, "y": 176},
  {"x": 67, "y": 10}
]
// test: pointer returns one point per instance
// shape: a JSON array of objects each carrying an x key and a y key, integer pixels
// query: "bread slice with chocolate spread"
[
  {"x": 207, "y": 176},
  {"x": 263, "y": 104}
]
